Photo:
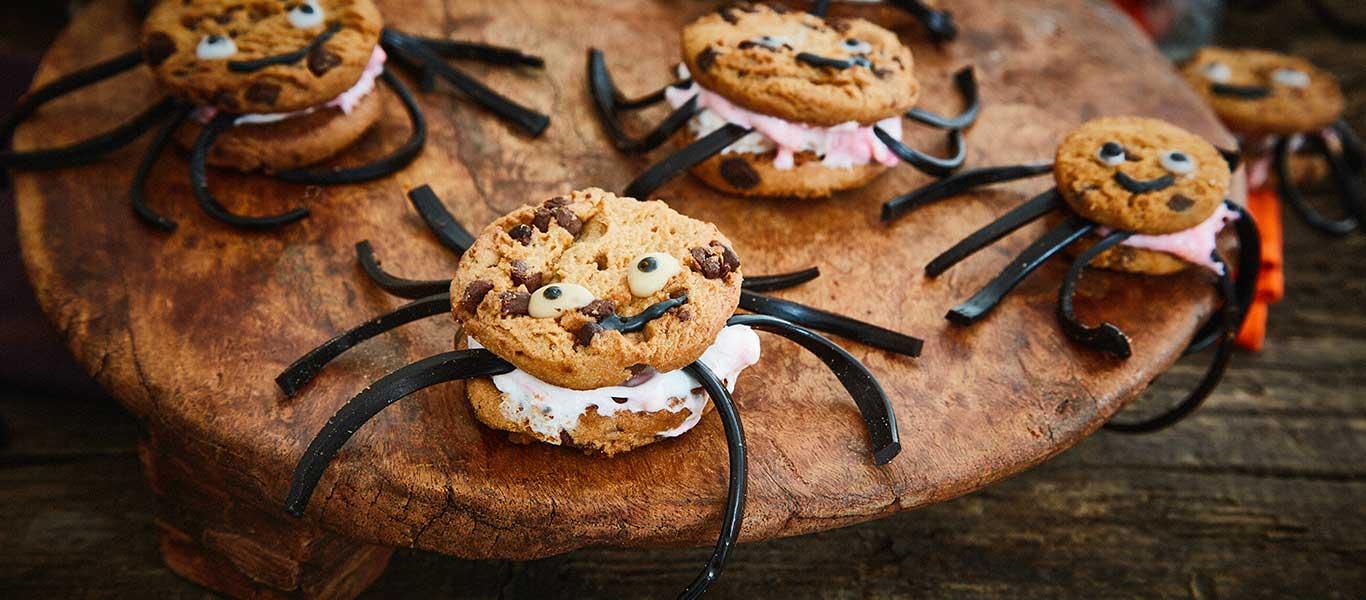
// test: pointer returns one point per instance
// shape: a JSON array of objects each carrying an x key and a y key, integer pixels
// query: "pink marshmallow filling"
[
  {"x": 1194, "y": 245},
  {"x": 346, "y": 101}
]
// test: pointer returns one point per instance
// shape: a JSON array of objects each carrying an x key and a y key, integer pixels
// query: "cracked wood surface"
[{"x": 188, "y": 330}]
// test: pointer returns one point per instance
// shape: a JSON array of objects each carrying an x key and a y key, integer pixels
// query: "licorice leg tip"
[
  {"x": 886, "y": 453},
  {"x": 961, "y": 316}
]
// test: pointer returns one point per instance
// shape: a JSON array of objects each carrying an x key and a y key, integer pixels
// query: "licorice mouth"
[
  {"x": 1243, "y": 92},
  {"x": 256, "y": 64},
  {"x": 1135, "y": 186}
]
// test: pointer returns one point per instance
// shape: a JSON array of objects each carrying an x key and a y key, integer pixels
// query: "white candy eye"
[
  {"x": 1217, "y": 72},
  {"x": 650, "y": 272},
  {"x": 771, "y": 42},
  {"x": 215, "y": 47},
  {"x": 1111, "y": 153},
  {"x": 1177, "y": 162},
  {"x": 306, "y": 14},
  {"x": 548, "y": 301},
  {"x": 856, "y": 46},
  {"x": 1294, "y": 78}
]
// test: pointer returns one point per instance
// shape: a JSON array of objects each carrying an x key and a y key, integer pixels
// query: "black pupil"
[
  {"x": 215, "y": 39},
  {"x": 306, "y": 9},
  {"x": 1177, "y": 157},
  {"x": 647, "y": 264},
  {"x": 852, "y": 43},
  {"x": 552, "y": 292},
  {"x": 1111, "y": 150}
]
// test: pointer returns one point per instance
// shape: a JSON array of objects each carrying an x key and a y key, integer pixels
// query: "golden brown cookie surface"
[
  {"x": 537, "y": 281},
  {"x": 750, "y": 55},
  {"x": 748, "y": 174},
  {"x": 201, "y": 49},
  {"x": 1140, "y": 175},
  {"x": 1259, "y": 92}
]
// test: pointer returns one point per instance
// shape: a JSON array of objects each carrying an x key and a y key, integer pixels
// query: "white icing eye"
[
  {"x": 1217, "y": 72},
  {"x": 1111, "y": 153},
  {"x": 215, "y": 47},
  {"x": 1294, "y": 78},
  {"x": 306, "y": 14},
  {"x": 1177, "y": 162},
  {"x": 856, "y": 46},
  {"x": 650, "y": 272},
  {"x": 772, "y": 42},
  {"x": 548, "y": 301}
]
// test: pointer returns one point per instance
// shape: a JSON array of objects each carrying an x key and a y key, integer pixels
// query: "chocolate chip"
[
  {"x": 516, "y": 303},
  {"x": 678, "y": 293},
  {"x": 882, "y": 73},
  {"x": 523, "y": 275},
  {"x": 709, "y": 264},
  {"x": 840, "y": 25},
  {"x": 682, "y": 314},
  {"x": 557, "y": 201},
  {"x": 568, "y": 220},
  {"x": 738, "y": 173},
  {"x": 566, "y": 439},
  {"x": 226, "y": 101},
  {"x": 223, "y": 19},
  {"x": 620, "y": 400},
  {"x": 599, "y": 309},
  {"x": 157, "y": 47},
  {"x": 732, "y": 261},
  {"x": 474, "y": 294},
  {"x": 263, "y": 93},
  {"x": 705, "y": 59},
  {"x": 728, "y": 13},
  {"x": 322, "y": 60},
  {"x": 584, "y": 335},
  {"x": 541, "y": 219},
  {"x": 639, "y": 374},
  {"x": 1180, "y": 203},
  {"x": 522, "y": 233},
  {"x": 697, "y": 391}
]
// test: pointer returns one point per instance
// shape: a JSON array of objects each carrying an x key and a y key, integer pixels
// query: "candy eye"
[
  {"x": 769, "y": 41},
  {"x": 1217, "y": 72},
  {"x": 1294, "y": 78},
  {"x": 1111, "y": 153},
  {"x": 215, "y": 47},
  {"x": 1177, "y": 162},
  {"x": 548, "y": 301},
  {"x": 306, "y": 14},
  {"x": 650, "y": 272},
  {"x": 856, "y": 46}
]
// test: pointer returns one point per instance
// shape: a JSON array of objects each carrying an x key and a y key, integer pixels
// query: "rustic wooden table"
[{"x": 1261, "y": 494}]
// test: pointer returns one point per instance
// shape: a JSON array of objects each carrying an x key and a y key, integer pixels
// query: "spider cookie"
[
  {"x": 783, "y": 103},
  {"x": 596, "y": 322},
  {"x": 268, "y": 86}
]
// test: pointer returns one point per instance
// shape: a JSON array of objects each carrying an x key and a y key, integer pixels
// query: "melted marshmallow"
[
  {"x": 841, "y": 146},
  {"x": 346, "y": 102},
  {"x": 1194, "y": 245},
  {"x": 549, "y": 409}
]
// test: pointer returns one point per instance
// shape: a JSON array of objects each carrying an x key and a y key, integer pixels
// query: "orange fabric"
[
  {"x": 1265, "y": 207},
  {"x": 1253, "y": 333}
]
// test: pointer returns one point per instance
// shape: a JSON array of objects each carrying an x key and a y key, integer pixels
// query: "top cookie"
[
  {"x": 202, "y": 50},
  {"x": 1258, "y": 92},
  {"x": 1140, "y": 175},
  {"x": 586, "y": 256},
  {"x": 750, "y": 55}
]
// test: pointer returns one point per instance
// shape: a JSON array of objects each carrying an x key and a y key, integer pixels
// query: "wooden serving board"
[{"x": 189, "y": 329}]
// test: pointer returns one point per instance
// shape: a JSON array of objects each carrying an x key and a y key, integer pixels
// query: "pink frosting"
[
  {"x": 346, "y": 102},
  {"x": 844, "y": 145},
  {"x": 1194, "y": 245}
]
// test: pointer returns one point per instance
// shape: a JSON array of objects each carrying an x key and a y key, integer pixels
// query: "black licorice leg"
[
  {"x": 297, "y": 375},
  {"x": 675, "y": 164},
  {"x": 820, "y": 8},
  {"x": 449, "y": 231},
  {"x": 781, "y": 281},
  {"x": 1019, "y": 217},
  {"x": 136, "y": 196},
  {"x": 1352, "y": 147},
  {"x": 1245, "y": 281},
  {"x": 1345, "y": 178},
  {"x": 528, "y": 120},
  {"x": 1232, "y": 320},
  {"x": 1105, "y": 338},
  {"x": 1291, "y": 194},
  {"x": 496, "y": 55},
  {"x": 411, "y": 289},
  {"x": 878, "y": 415},
  {"x": 425, "y": 373},
  {"x": 90, "y": 149},
  {"x": 960, "y": 183},
  {"x": 966, "y": 82},
  {"x": 606, "y": 100},
  {"x": 734, "y": 513},
  {"x": 382, "y": 167},
  {"x": 65, "y": 85},
  {"x": 828, "y": 322},
  {"x": 1032, "y": 258},
  {"x": 931, "y": 165},
  {"x": 939, "y": 23},
  {"x": 199, "y": 182}
]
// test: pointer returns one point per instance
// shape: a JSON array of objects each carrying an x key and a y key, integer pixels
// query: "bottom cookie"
[{"x": 748, "y": 174}]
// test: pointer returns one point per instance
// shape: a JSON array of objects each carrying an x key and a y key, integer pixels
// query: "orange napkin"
[{"x": 1265, "y": 207}]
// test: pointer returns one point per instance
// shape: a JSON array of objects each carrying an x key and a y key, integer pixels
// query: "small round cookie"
[
  {"x": 288, "y": 144},
  {"x": 201, "y": 50},
  {"x": 747, "y": 174},
  {"x": 1257, "y": 92},
  {"x": 1140, "y": 175},
  {"x": 535, "y": 284},
  {"x": 749, "y": 54}
]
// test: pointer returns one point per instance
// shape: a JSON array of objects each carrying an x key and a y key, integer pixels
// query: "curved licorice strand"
[
  {"x": 1231, "y": 320},
  {"x": 965, "y": 80},
  {"x": 444, "y": 367},
  {"x": 199, "y": 182},
  {"x": 960, "y": 183},
  {"x": 939, "y": 23},
  {"x": 488, "y": 53},
  {"x": 411, "y": 289},
  {"x": 90, "y": 149},
  {"x": 64, "y": 85},
  {"x": 256, "y": 64},
  {"x": 297, "y": 375},
  {"x": 440, "y": 221},
  {"x": 781, "y": 281},
  {"x": 1352, "y": 147},
  {"x": 878, "y": 415},
  {"x": 381, "y": 167},
  {"x": 1245, "y": 283},
  {"x": 1285, "y": 184},
  {"x": 638, "y": 321},
  {"x": 1345, "y": 178},
  {"x": 1019, "y": 217},
  {"x": 607, "y": 99},
  {"x": 1106, "y": 337},
  {"x": 1033, "y": 257},
  {"x": 926, "y": 163},
  {"x": 828, "y": 322},
  {"x": 734, "y": 513},
  {"x": 136, "y": 197},
  {"x": 675, "y": 164}
]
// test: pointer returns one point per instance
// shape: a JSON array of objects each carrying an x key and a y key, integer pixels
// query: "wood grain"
[{"x": 188, "y": 330}]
